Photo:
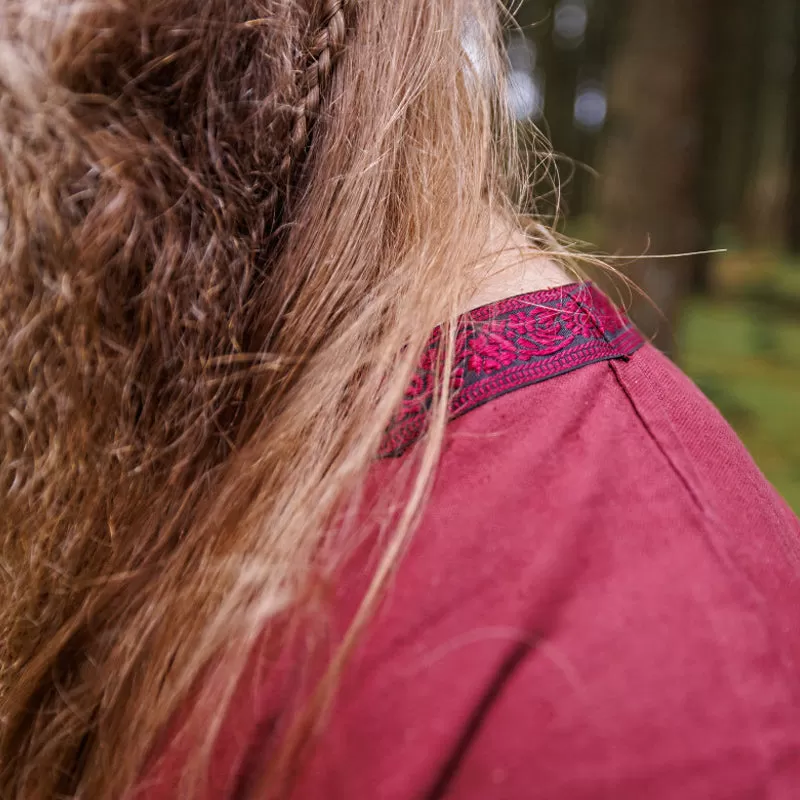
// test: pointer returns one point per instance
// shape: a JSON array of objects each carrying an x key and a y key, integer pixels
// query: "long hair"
[{"x": 227, "y": 228}]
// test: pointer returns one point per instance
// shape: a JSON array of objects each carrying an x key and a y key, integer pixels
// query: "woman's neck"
[{"x": 514, "y": 267}]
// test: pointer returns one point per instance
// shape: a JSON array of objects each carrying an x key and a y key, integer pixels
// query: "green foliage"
[{"x": 743, "y": 349}]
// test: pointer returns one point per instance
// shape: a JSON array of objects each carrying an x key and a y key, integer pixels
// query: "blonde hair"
[{"x": 227, "y": 229}]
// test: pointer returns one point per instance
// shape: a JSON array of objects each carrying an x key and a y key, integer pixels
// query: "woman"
[{"x": 263, "y": 534}]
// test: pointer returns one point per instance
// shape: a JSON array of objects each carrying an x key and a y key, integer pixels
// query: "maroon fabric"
[
  {"x": 602, "y": 601},
  {"x": 514, "y": 343}
]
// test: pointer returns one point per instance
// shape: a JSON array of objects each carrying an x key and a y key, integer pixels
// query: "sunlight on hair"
[{"x": 229, "y": 229}]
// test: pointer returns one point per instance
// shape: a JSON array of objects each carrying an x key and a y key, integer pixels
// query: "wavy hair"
[{"x": 226, "y": 230}]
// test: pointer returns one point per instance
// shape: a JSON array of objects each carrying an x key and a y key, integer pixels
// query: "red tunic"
[{"x": 602, "y": 599}]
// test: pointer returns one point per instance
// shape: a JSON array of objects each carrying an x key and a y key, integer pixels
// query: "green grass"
[{"x": 746, "y": 358}]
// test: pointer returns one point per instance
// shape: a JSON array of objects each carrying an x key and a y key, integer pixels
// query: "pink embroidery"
[
  {"x": 457, "y": 378},
  {"x": 514, "y": 343},
  {"x": 580, "y": 319},
  {"x": 548, "y": 332},
  {"x": 528, "y": 350},
  {"x": 521, "y": 324},
  {"x": 490, "y": 352},
  {"x": 544, "y": 327},
  {"x": 416, "y": 396}
]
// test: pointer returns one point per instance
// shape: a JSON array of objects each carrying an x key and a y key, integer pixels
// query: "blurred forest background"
[{"x": 677, "y": 124}]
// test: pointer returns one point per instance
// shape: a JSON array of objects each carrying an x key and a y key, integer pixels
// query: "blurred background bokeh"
[{"x": 677, "y": 129}]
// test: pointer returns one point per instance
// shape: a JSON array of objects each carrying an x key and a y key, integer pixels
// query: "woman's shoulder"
[
  {"x": 599, "y": 599},
  {"x": 585, "y": 607},
  {"x": 635, "y": 425}
]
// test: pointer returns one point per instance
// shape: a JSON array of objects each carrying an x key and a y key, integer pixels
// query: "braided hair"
[
  {"x": 325, "y": 41},
  {"x": 227, "y": 228}
]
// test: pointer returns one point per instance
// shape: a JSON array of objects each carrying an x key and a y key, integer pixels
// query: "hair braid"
[
  {"x": 197, "y": 369},
  {"x": 325, "y": 45}
]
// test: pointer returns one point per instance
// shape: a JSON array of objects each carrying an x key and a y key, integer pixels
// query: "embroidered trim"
[{"x": 511, "y": 344}]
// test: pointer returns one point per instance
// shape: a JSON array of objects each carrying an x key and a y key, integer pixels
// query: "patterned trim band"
[{"x": 514, "y": 343}]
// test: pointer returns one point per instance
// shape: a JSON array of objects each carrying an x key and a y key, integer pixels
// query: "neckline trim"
[{"x": 510, "y": 344}]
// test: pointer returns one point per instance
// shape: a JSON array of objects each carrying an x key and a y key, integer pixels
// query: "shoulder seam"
[{"x": 689, "y": 482}]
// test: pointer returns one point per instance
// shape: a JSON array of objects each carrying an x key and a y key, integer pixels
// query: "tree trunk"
[
  {"x": 559, "y": 69},
  {"x": 765, "y": 203},
  {"x": 793, "y": 195},
  {"x": 601, "y": 39},
  {"x": 718, "y": 106},
  {"x": 746, "y": 132},
  {"x": 651, "y": 198}
]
